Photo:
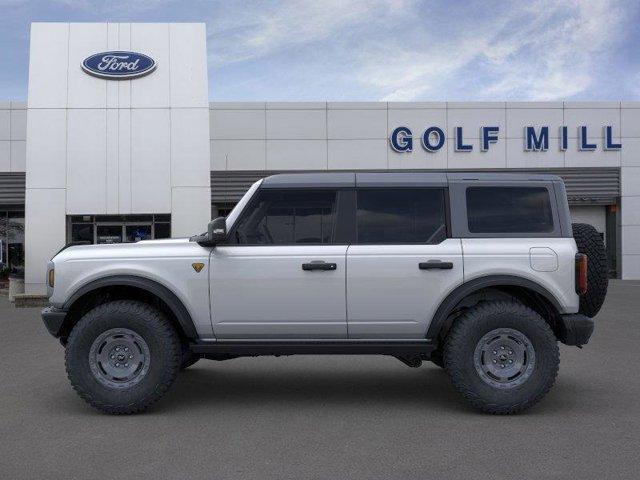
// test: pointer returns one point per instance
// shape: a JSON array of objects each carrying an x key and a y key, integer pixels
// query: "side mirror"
[{"x": 217, "y": 231}]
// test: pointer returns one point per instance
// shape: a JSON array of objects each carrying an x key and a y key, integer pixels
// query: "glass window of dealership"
[{"x": 93, "y": 160}]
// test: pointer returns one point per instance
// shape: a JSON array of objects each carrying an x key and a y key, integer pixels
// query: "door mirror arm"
[{"x": 216, "y": 233}]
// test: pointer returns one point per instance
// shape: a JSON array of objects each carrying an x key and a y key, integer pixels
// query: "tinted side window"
[
  {"x": 509, "y": 210},
  {"x": 286, "y": 217},
  {"x": 401, "y": 215}
]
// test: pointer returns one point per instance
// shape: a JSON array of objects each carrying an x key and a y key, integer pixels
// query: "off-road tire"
[
  {"x": 590, "y": 243},
  {"x": 188, "y": 359},
  {"x": 436, "y": 358},
  {"x": 163, "y": 364},
  {"x": 467, "y": 332}
]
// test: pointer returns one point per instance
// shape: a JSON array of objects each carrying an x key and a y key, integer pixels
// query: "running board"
[{"x": 306, "y": 347}]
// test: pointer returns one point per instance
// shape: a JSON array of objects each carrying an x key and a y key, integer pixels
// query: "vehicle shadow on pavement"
[
  {"x": 220, "y": 386},
  {"x": 210, "y": 385},
  {"x": 427, "y": 386}
]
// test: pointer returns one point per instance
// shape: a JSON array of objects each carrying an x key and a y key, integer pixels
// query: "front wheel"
[
  {"x": 122, "y": 356},
  {"x": 502, "y": 357},
  {"x": 188, "y": 359}
]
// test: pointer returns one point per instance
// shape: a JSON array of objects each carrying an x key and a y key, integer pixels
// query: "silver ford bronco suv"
[{"x": 480, "y": 273}]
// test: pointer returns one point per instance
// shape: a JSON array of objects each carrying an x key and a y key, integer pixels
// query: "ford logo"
[{"x": 118, "y": 65}]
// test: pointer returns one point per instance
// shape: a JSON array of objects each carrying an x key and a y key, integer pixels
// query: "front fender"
[{"x": 167, "y": 296}]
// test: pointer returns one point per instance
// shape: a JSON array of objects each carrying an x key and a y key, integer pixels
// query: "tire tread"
[
  {"x": 164, "y": 329},
  {"x": 589, "y": 242},
  {"x": 464, "y": 328}
]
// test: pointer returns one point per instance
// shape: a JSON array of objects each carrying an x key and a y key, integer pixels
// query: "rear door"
[
  {"x": 281, "y": 275},
  {"x": 403, "y": 263}
]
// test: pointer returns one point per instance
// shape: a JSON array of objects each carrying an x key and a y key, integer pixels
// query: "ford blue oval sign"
[{"x": 118, "y": 65}]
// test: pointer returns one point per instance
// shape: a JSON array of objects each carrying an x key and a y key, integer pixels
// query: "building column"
[
  {"x": 630, "y": 224},
  {"x": 45, "y": 224}
]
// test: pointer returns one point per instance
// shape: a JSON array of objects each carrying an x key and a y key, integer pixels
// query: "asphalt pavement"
[{"x": 324, "y": 417}]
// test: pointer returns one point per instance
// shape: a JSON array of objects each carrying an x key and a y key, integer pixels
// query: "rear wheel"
[
  {"x": 436, "y": 358},
  {"x": 502, "y": 357},
  {"x": 122, "y": 356}
]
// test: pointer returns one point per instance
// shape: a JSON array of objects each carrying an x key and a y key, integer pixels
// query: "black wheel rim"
[
  {"x": 504, "y": 358},
  {"x": 119, "y": 358}
]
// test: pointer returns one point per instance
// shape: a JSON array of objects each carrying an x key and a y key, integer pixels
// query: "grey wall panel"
[
  {"x": 229, "y": 186},
  {"x": 585, "y": 186},
  {"x": 594, "y": 186},
  {"x": 12, "y": 188}
]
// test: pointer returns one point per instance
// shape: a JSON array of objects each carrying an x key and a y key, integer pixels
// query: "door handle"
[
  {"x": 435, "y": 264},
  {"x": 319, "y": 265}
]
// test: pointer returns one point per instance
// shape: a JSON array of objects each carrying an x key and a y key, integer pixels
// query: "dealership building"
[{"x": 117, "y": 141}]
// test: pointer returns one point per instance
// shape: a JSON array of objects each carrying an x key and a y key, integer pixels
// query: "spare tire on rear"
[{"x": 590, "y": 243}]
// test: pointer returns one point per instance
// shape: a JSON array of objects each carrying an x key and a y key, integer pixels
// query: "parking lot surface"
[{"x": 324, "y": 417}]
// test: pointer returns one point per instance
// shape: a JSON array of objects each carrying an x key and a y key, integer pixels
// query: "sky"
[{"x": 377, "y": 50}]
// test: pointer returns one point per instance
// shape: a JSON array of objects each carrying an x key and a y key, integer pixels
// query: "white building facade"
[{"x": 95, "y": 159}]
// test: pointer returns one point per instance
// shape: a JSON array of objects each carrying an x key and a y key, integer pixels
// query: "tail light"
[{"x": 581, "y": 273}]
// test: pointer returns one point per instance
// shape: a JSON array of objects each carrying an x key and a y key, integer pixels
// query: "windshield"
[{"x": 233, "y": 215}]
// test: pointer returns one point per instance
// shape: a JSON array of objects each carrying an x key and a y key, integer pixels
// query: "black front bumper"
[
  {"x": 576, "y": 329},
  {"x": 53, "y": 319}
]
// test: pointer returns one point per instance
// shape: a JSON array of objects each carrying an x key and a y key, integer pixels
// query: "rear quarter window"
[{"x": 509, "y": 210}]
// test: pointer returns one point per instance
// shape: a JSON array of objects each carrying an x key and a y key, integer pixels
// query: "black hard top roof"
[{"x": 398, "y": 179}]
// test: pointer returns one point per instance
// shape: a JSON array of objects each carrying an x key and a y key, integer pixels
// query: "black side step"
[{"x": 321, "y": 347}]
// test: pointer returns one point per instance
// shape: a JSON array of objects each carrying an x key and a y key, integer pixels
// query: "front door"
[
  {"x": 280, "y": 275},
  {"x": 402, "y": 264}
]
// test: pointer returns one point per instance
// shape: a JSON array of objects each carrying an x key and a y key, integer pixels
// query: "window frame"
[
  {"x": 7, "y": 259},
  {"x": 126, "y": 220},
  {"x": 339, "y": 201},
  {"x": 514, "y": 210},
  {"x": 459, "y": 219},
  {"x": 446, "y": 205}
]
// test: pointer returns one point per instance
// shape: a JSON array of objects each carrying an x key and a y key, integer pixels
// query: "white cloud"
[
  {"x": 569, "y": 50},
  {"x": 106, "y": 7},
  {"x": 407, "y": 50},
  {"x": 257, "y": 30},
  {"x": 400, "y": 49},
  {"x": 544, "y": 50}
]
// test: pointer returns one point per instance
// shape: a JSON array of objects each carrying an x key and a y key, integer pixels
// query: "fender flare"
[
  {"x": 153, "y": 287},
  {"x": 468, "y": 288}
]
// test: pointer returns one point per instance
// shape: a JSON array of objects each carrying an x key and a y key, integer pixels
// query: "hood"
[{"x": 142, "y": 248}]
